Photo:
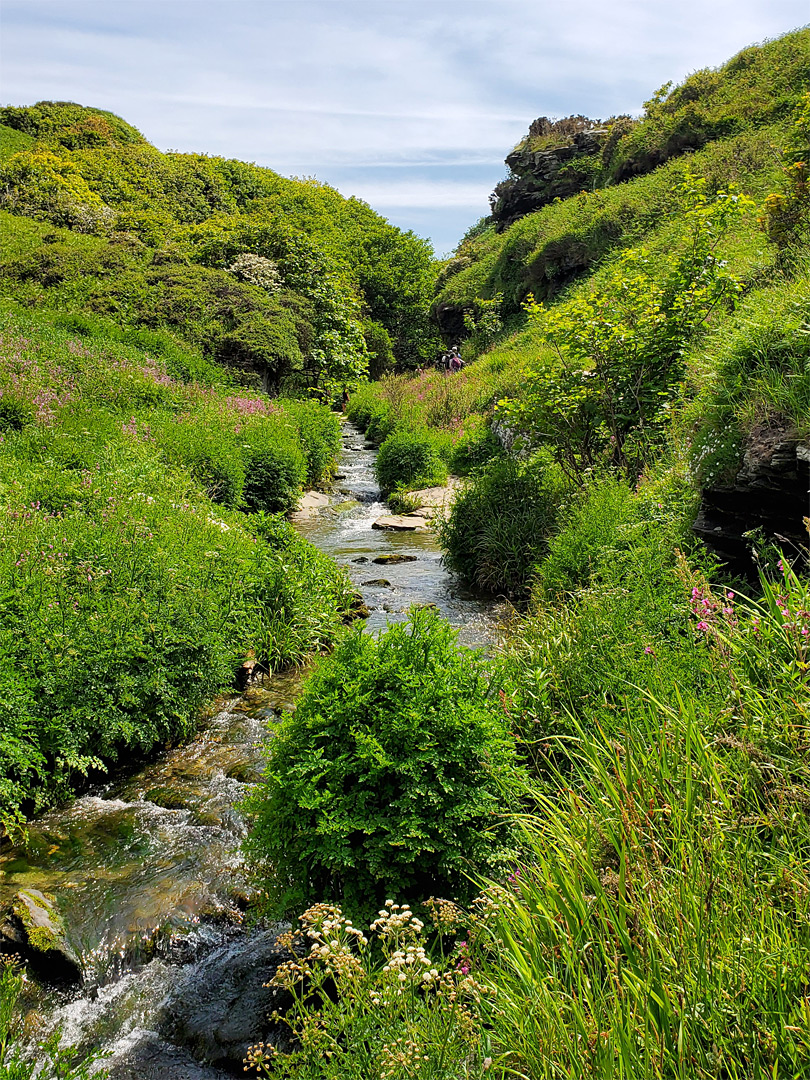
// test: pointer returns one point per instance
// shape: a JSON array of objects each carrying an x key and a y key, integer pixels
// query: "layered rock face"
[
  {"x": 768, "y": 498},
  {"x": 542, "y": 172}
]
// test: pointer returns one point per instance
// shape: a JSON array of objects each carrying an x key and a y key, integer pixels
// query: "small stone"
[
  {"x": 380, "y": 581},
  {"x": 362, "y": 559}
]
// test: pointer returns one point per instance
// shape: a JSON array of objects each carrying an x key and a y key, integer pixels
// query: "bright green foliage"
[
  {"x": 658, "y": 924},
  {"x": 755, "y": 87},
  {"x": 12, "y": 142},
  {"x": 619, "y": 348},
  {"x": 127, "y": 598},
  {"x": 64, "y": 123},
  {"x": 610, "y": 613},
  {"x": 391, "y": 777},
  {"x": 728, "y": 121},
  {"x": 786, "y": 214},
  {"x": 754, "y": 373},
  {"x": 319, "y": 434},
  {"x": 55, "y": 1062},
  {"x": 409, "y": 459},
  {"x": 499, "y": 525},
  {"x": 337, "y": 264}
]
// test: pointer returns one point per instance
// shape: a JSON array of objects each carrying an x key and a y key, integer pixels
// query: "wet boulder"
[
  {"x": 32, "y": 928},
  {"x": 151, "y": 1058},
  {"x": 224, "y": 1005},
  {"x": 389, "y": 560}
]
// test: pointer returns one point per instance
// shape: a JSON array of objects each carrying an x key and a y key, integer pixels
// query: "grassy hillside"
[
  {"x": 148, "y": 302},
  {"x": 728, "y": 125},
  {"x": 653, "y": 920},
  {"x": 284, "y": 279},
  {"x": 133, "y": 582}
]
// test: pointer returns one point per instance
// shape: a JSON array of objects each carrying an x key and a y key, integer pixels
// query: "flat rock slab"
[
  {"x": 310, "y": 504},
  {"x": 389, "y": 560},
  {"x": 434, "y": 502},
  {"x": 380, "y": 581},
  {"x": 401, "y": 523}
]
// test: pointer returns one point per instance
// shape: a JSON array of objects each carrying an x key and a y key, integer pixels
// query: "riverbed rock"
[
  {"x": 33, "y": 929},
  {"x": 152, "y": 1058},
  {"x": 434, "y": 502},
  {"x": 389, "y": 560},
  {"x": 310, "y": 504},
  {"x": 401, "y": 523},
  {"x": 381, "y": 582},
  {"x": 224, "y": 1005},
  {"x": 361, "y": 559}
]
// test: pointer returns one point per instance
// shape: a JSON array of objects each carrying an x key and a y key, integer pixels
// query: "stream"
[{"x": 146, "y": 869}]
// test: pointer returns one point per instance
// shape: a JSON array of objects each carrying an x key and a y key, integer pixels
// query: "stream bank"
[{"x": 146, "y": 870}]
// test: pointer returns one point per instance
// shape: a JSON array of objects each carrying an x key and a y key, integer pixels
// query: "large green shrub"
[
  {"x": 390, "y": 778},
  {"x": 499, "y": 525},
  {"x": 409, "y": 459},
  {"x": 275, "y": 469}
]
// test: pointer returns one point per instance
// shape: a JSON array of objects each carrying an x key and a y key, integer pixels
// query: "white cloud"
[
  {"x": 419, "y": 193},
  {"x": 424, "y": 89}
]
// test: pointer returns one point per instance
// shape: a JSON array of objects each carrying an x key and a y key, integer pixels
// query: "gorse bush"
[
  {"x": 391, "y": 777},
  {"x": 409, "y": 459}
]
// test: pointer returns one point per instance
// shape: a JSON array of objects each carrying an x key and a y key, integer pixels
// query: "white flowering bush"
[
  {"x": 381, "y": 1004},
  {"x": 256, "y": 270}
]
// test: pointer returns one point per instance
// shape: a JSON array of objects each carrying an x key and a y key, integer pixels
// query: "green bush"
[
  {"x": 275, "y": 470},
  {"x": 409, "y": 459},
  {"x": 320, "y": 435},
  {"x": 499, "y": 525},
  {"x": 214, "y": 461},
  {"x": 390, "y": 778},
  {"x": 477, "y": 446}
]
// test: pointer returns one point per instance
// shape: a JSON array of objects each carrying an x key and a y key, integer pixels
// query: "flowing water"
[{"x": 146, "y": 870}]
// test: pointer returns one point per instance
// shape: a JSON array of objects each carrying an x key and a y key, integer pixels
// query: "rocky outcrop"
[
  {"x": 540, "y": 173},
  {"x": 33, "y": 929},
  {"x": 768, "y": 498}
]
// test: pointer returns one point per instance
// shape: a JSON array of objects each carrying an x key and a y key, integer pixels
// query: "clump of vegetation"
[
  {"x": 409, "y": 459},
  {"x": 500, "y": 523},
  {"x": 131, "y": 585},
  {"x": 376, "y": 1004},
  {"x": 284, "y": 280},
  {"x": 392, "y": 776}
]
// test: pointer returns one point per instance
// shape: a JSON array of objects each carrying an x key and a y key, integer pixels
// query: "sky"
[{"x": 407, "y": 104}]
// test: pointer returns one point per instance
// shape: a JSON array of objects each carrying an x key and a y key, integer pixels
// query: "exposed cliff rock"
[
  {"x": 557, "y": 159},
  {"x": 769, "y": 497}
]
